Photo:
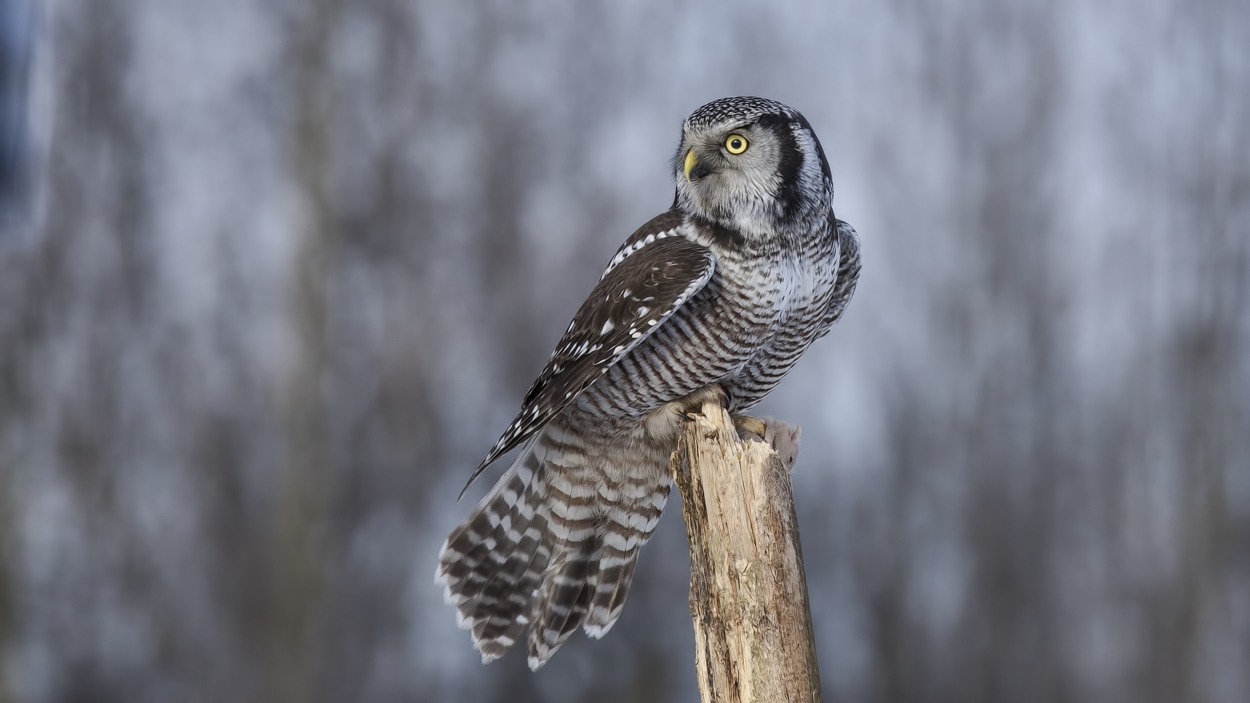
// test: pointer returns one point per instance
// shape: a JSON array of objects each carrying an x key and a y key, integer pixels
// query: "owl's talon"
[{"x": 750, "y": 427}]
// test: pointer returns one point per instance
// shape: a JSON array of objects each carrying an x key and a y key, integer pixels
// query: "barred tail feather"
[
  {"x": 629, "y": 527},
  {"x": 491, "y": 563},
  {"x": 562, "y": 602},
  {"x": 609, "y": 594},
  {"x": 553, "y": 546},
  {"x": 606, "y": 527}
]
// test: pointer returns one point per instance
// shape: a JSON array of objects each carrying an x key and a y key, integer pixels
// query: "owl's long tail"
[{"x": 552, "y": 546}]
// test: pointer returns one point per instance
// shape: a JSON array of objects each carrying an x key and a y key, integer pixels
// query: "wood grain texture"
[{"x": 748, "y": 592}]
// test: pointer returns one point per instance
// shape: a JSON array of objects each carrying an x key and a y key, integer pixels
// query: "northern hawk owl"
[{"x": 721, "y": 293}]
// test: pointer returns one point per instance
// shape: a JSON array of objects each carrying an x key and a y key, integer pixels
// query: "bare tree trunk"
[
  {"x": 297, "y": 583},
  {"x": 748, "y": 593}
]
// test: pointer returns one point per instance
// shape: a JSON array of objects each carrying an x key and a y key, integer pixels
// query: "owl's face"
[{"x": 753, "y": 165}]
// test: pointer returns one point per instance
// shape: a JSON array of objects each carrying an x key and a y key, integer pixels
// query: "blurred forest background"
[{"x": 274, "y": 276}]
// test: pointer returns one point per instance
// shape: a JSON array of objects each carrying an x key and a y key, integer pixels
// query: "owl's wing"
[
  {"x": 848, "y": 274},
  {"x": 653, "y": 274}
]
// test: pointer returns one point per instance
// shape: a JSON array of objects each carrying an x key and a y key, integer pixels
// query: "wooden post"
[{"x": 748, "y": 593}]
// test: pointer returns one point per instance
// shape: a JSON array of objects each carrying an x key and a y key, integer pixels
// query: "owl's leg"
[{"x": 779, "y": 435}]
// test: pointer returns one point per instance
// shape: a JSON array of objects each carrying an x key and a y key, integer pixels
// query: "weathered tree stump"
[{"x": 748, "y": 592}]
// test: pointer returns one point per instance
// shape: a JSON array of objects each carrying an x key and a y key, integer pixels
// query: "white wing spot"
[
  {"x": 642, "y": 311},
  {"x": 607, "y": 327}
]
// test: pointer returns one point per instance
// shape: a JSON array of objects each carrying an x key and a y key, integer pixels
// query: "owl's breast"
[{"x": 804, "y": 286}]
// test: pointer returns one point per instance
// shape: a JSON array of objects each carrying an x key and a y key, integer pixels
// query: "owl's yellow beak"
[{"x": 690, "y": 162}]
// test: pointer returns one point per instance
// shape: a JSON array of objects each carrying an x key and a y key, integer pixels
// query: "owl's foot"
[{"x": 779, "y": 435}]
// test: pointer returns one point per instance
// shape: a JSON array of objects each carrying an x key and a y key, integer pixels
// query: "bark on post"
[{"x": 748, "y": 593}]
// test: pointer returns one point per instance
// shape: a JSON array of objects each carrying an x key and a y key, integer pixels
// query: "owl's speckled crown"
[{"x": 745, "y": 108}]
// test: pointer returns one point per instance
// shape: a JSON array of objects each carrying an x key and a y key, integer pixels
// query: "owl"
[{"x": 715, "y": 298}]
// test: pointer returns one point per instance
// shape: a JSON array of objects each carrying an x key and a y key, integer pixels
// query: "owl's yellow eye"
[{"x": 735, "y": 143}]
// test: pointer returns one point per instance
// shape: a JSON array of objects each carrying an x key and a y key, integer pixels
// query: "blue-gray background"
[{"x": 274, "y": 275}]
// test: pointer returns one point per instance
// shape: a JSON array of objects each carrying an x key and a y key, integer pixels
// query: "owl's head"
[{"x": 753, "y": 165}]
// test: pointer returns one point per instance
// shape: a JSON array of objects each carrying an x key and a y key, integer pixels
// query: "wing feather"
[
  {"x": 848, "y": 274},
  {"x": 653, "y": 274}
]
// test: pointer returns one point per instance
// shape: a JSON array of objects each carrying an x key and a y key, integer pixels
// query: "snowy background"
[{"x": 275, "y": 275}]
